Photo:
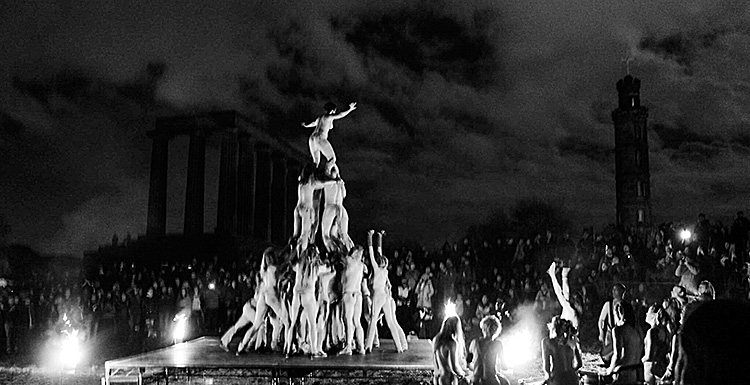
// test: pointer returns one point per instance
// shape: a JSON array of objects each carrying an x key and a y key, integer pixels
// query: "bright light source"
[
  {"x": 450, "y": 310},
  {"x": 70, "y": 349},
  {"x": 179, "y": 329},
  {"x": 685, "y": 234},
  {"x": 519, "y": 347},
  {"x": 211, "y": 286}
]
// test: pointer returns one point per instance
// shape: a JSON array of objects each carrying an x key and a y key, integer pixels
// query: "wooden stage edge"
[{"x": 205, "y": 353}]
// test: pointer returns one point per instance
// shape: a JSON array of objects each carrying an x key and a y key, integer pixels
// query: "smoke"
[{"x": 522, "y": 341}]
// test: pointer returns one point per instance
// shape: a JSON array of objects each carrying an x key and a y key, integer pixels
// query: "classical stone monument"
[{"x": 633, "y": 180}]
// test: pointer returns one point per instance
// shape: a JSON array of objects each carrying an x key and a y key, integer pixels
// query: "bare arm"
[
  {"x": 312, "y": 124},
  {"x": 352, "y": 107},
  {"x": 475, "y": 354},
  {"x": 577, "y": 361},
  {"x": 371, "y": 250},
  {"x": 603, "y": 322},
  {"x": 558, "y": 289},
  {"x": 616, "y": 356},
  {"x": 647, "y": 346},
  {"x": 501, "y": 353},
  {"x": 546, "y": 353}
]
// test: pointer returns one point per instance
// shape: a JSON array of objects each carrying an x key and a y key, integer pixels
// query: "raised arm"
[
  {"x": 371, "y": 250},
  {"x": 558, "y": 289},
  {"x": 352, "y": 107}
]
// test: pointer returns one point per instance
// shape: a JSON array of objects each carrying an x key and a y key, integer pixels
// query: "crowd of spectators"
[{"x": 132, "y": 306}]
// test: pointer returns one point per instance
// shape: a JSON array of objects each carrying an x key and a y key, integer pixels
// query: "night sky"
[{"x": 464, "y": 107}]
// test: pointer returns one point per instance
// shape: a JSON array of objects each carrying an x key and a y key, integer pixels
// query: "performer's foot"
[
  {"x": 382, "y": 233},
  {"x": 224, "y": 347},
  {"x": 346, "y": 352},
  {"x": 362, "y": 351},
  {"x": 319, "y": 354},
  {"x": 370, "y": 232}
]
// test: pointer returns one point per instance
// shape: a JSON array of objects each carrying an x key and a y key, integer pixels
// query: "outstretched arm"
[
  {"x": 352, "y": 107},
  {"x": 312, "y": 124}
]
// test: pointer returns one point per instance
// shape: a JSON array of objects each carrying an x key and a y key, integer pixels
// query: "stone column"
[
  {"x": 263, "y": 176},
  {"x": 227, "y": 208},
  {"x": 194, "y": 193},
  {"x": 293, "y": 169},
  {"x": 156, "y": 224},
  {"x": 278, "y": 199},
  {"x": 245, "y": 186}
]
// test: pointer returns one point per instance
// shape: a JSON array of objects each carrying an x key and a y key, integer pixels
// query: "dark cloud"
[
  {"x": 580, "y": 147},
  {"x": 464, "y": 107}
]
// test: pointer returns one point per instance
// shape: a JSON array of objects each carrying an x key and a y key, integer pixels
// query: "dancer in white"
[
  {"x": 268, "y": 297},
  {"x": 307, "y": 268},
  {"x": 380, "y": 298},
  {"x": 351, "y": 282},
  {"x": 335, "y": 220}
]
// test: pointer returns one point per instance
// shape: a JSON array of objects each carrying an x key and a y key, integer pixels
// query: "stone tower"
[{"x": 633, "y": 180}]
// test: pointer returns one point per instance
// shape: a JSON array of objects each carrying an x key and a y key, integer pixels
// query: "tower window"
[
  {"x": 641, "y": 216},
  {"x": 640, "y": 189},
  {"x": 638, "y": 160}
]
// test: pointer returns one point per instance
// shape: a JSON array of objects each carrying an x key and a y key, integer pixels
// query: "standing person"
[
  {"x": 424, "y": 291},
  {"x": 656, "y": 344},
  {"x": 381, "y": 298},
  {"x": 267, "y": 297},
  {"x": 561, "y": 354},
  {"x": 488, "y": 354},
  {"x": 627, "y": 347},
  {"x": 307, "y": 269},
  {"x": 211, "y": 298},
  {"x": 448, "y": 353},
  {"x": 607, "y": 322},
  {"x": 351, "y": 283},
  {"x": 318, "y": 141}
]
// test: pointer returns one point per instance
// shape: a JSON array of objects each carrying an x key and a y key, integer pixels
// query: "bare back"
[
  {"x": 324, "y": 124},
  {"x": 353, "y": 274}
]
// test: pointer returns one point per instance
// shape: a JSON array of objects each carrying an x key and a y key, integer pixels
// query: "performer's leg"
[
  {"x": 326, "y": 149},
  {"x": 314, "y": 149},
  {"x": 260, "y": 314},
  {"x": 293, "y": 318},
  {"x": 310, "y": 309},
  {"x": 358, "y": 330},
  {"x": 378, "y": 300},
  {"x": 390, "y": 319},
  {"x": 349, "y": 305},
  {"x": 248, "y": 315}
]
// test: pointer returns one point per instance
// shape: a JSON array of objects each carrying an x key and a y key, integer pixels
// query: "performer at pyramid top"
[{"x": 318, "y": 141}]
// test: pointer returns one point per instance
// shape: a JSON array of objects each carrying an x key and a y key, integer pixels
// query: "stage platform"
[{"x": 204, "y": 358}]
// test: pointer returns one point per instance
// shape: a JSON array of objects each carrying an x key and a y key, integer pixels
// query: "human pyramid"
[{"x": 318, "y": 299}]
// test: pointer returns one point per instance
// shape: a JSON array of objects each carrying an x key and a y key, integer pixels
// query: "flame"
[{"x": 519, "y": 347}]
